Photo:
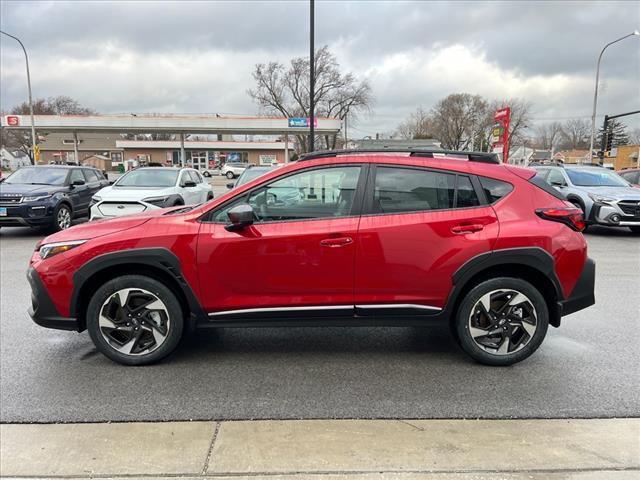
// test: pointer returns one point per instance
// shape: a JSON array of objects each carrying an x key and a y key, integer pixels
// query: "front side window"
[
  {"x": 556, "y": 178},
  {"x": 411, "y": 190},
  {"x": 320, "y": 193},
  {"x": 91, "y": 176},
  {"x": 76, "y": 175}
]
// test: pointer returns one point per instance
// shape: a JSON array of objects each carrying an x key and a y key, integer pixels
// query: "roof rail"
[{"x": 482, "y": 157}]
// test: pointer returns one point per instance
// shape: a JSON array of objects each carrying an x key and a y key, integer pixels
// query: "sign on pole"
[
  {"x": 500, "y": 133},
  {"x": 301, "y": 122}
]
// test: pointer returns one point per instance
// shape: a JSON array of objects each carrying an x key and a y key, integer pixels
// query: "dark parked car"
[{"x": 49, "y": 196}]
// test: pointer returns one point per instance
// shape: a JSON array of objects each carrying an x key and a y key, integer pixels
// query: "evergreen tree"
[{"x": 618, "y": 131}]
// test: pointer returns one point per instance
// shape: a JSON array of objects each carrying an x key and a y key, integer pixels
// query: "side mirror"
[
  {"x": 77, "y": 183},
  {"x": 240, "y": 216},
  {"x": 189, "y": 183},
  {"x": 230, "y": 185},
  {"x": 558, "y": 184}
]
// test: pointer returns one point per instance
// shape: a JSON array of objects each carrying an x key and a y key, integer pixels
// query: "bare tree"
[
  {"x": 549, "y": 135},
  {"x": 575, "y": 133},
  {"x": 457, "y": 120},
  {"x": 60, "y": 105},
  {"x": 285, "y": 91},
  {"x": 417, "y": 125},
  {"x": 634, "y": 136}
]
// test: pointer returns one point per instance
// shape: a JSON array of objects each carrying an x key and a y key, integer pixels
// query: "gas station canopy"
[{"x": 145, "y": 123}]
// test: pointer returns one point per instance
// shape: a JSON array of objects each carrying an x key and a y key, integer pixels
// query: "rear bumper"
[
  {"x": 42, "y": 310},
  {"x": 583, "y": 294}
]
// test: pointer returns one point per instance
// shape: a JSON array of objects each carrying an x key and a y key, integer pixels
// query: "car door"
[
  {"x": 298, "y": 255},
  {"x": 203, "y": 187},
  {"x": 418, "y": 226},
  {"x": 93, "y": 180},
  {"x": 80, "y": 194},
  {"x": 190, "y": 194},
  {"x": 557, "y": 180}
]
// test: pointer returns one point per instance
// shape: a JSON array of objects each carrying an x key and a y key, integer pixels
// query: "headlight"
[
  {"x": 600, "y": 198},
  {"x": 38, "y": 198},
  {"x": 96, "y": 198},
  {"x": 50, "y": 249},
  {"x": 157, "y": 201}
]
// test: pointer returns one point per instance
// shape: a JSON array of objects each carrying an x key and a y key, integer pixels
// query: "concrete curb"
[{"x": 331, "y": 449}]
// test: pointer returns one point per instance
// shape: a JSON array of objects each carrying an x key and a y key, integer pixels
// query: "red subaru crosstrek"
[{"x": 337, "y": 238}]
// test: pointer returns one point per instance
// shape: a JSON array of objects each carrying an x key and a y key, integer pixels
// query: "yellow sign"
[{"x": 36, "y": 153}]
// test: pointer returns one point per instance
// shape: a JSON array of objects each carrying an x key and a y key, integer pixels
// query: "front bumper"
[
  {"x": 27, "y": 215},
  {"x": 583, "y": 294},
  {"x": 42, "y": 310},
  {"x": 113, "y": 209},
  {"x": 620, "y": 214}
]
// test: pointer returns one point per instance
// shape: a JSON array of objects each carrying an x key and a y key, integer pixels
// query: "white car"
[
  {"x": 149, "y": 188},
  {"x": 232, "y": 170}
]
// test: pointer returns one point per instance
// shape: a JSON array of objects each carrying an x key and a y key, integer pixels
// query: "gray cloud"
[{"x": 198, "y": 56}]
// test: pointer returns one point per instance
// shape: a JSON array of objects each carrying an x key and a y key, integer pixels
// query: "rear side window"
[
  {"x": 495, "y": 189},
  {"x": 409, "y": 190}
]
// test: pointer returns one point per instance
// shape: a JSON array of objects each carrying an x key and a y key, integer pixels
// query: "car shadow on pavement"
[{"x": 324, "y": 340}]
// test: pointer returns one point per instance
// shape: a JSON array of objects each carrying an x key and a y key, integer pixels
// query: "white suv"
[
  {"x": 232, "y": 170},
  {"x": 149, "y": 188}
]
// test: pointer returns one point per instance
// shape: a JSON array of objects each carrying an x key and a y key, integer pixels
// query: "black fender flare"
[
  {"x": 532, "y": 257},
  {"x": 157, "y": 258}
]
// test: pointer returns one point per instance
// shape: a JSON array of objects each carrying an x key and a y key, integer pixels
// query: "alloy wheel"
[
  {"x": 503, "y": 321},
  {"x": 63, "y": 218},
  {"x": 134, "y": 321}
]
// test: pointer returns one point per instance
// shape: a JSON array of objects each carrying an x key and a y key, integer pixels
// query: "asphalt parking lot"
[{"x": 590, "y": 367}]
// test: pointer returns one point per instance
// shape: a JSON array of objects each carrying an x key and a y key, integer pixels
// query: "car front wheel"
[
  {"x": 62, "y": 218},
  {"x": 206, "y": 174},
  {"x": 502, "y": 321},
  {"x": 134, "y": 320}
]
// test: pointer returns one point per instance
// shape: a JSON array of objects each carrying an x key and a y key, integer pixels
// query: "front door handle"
[
  {"x": 336, "y": 242},
  {"x": 460, "y": 229}
]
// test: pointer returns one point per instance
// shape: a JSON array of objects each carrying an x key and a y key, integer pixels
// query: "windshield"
[
  {"x": 39, "y": 176},
  {"x": 596, "y": 178},
  {"x": 148, "y": 178},
  {"x": 249, "y": 174}
]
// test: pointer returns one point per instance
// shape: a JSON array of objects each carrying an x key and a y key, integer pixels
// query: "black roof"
[{"x": 482, "y": 157}]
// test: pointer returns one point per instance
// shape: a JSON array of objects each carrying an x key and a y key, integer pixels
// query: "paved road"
[{"x": 590, "y": 367}]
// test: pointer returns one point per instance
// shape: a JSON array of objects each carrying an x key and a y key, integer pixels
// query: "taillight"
[{"x": 571, "y": 217}]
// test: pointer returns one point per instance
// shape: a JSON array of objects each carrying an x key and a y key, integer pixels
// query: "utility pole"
[
  {"x": 312, "y": 76},
  {"x": 34, "y": 141}
]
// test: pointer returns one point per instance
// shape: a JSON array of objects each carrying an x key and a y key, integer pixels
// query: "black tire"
[
  {"x": 174, "y": 325},
  {"x": 469, "y": 303},
  {"x": 62, "y": 217},
  {"x": 635, "y": 230},
  {"x": 209, "y": 197},
  {"x": 206, "y": 174},
  {"x": 230, "y": 175}
]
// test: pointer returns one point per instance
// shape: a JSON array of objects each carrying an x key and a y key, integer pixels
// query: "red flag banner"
[{"x": 500, "y": 133}]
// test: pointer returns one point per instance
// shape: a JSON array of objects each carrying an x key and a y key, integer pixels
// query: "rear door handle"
[
  {"x": 336, "y": 242},
  {"x": 460, "y": 229}
]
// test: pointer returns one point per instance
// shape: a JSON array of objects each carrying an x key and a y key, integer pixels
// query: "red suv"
[{"x": 337, "y": 238}]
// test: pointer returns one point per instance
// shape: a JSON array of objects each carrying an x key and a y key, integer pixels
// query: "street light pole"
[
  {"x": 595, "y": 93},
  {"x": 33, "y": 128},
  {"x": 312, "y": 76}
]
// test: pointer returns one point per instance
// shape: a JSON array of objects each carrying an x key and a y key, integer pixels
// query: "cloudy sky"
[{"x": 197, "y": 57}]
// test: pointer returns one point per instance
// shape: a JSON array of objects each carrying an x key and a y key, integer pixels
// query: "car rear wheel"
[
  {"x": 62, "y": 218},
  {"x": 206, "y": 174},
  {"x": 230, "y": 175},
  {"x": 134, "y": 320},
  {"x": 502, "y": 321}
]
